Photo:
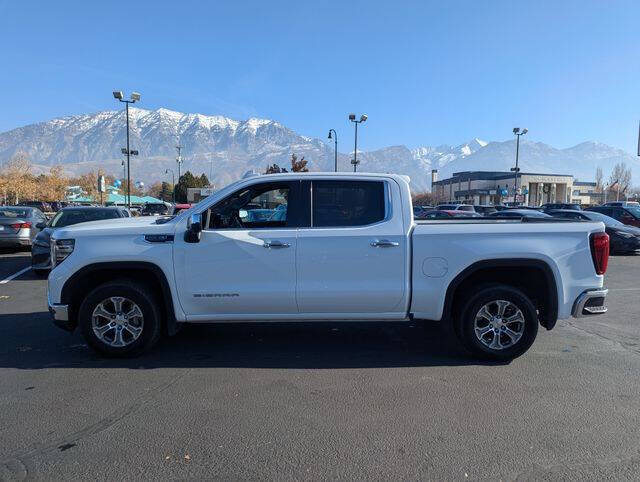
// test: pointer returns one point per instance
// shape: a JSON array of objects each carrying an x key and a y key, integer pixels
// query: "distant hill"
[{"x": 228, "y": 148}]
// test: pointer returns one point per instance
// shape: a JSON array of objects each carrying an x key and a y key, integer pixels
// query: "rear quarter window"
[{"x": 347, "y": 203}]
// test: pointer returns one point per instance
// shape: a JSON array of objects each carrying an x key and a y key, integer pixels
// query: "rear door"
[{"x": 352, "y": 259}]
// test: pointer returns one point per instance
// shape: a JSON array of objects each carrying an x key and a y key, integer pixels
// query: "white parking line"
[
  {"x": 14, "y": 275},
  {"x": 624, "y": 289}
]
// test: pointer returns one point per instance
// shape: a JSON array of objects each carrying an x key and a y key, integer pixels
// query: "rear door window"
[{"x": 347, "y": 203}]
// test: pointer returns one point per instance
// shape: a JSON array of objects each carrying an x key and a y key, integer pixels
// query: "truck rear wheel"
[
  {"x": 498, "y": 323},
  {"x": 120, "y": 319}
]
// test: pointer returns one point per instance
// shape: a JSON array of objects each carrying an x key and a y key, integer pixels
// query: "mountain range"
[{"x": 225, "y": 149}]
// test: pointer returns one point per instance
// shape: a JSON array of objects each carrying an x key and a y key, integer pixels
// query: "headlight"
[{"x": 61, "y": 249}]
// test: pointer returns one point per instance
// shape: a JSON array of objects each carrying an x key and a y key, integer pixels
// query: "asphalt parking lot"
[{"x": 315, "y": 401}]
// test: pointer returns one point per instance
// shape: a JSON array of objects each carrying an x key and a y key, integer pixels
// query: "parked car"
[
  {"x": 625, "y": 214},
  {"x": 623, "y": 238},
  {"x": 556, "y": 206},
  {"x": 154, "y": 209},
  {"x": 455, "y": 207},
  {"x": 41, "y": 250},
  {"x": 518, "y": 213},
  {"x": 484, "y": 209},
  {"x": 40, "y": 205},
  {"x": 447, "y": 214},
  {"x": 622, "y": 204},
  {"x": 419, "y": 212},
  {"x": 19, "y": 225},
  {"x": 346, "y": 249}
]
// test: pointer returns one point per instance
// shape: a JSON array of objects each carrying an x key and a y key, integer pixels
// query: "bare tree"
[
  {"x": 620, "y": 178},
  {"x": 599, "y": 178},
  {"x": 298, "y": 165}
]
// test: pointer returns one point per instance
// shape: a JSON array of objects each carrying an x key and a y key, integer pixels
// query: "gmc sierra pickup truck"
[{"x": 324, "y": 246}]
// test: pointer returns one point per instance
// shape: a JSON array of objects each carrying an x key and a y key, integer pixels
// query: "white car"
[{"x": 334, "y": 247}]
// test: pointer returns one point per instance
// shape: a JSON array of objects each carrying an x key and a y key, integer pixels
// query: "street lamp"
[
  {"x": 518, "y": 133},
  {"x": 135, "y": 97},
  {"x": 352, "y": 118},
  {"x": 335, "y": 154},
  {"x": 173, "y": 183}
]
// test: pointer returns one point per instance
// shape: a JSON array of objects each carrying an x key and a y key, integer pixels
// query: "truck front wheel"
[
  {"x": 498, "y": 323},
  {"x": 120, "y": 319}
]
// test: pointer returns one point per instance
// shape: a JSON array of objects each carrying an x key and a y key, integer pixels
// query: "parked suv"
[
  {"x": 41, "y": 205},
  {"x": 155, "y": 209},
  {"x": 622, "y": 204},
  {"x": 626, "y": 215},
  {"x": 41, "y": 250}
]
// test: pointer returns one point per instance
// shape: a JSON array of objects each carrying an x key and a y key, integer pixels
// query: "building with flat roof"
[
  {"x": 586, "y": 193},
  {"x": 494, "y": 187}
]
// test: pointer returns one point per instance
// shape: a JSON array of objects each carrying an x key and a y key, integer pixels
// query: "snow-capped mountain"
[{"x": 227, "y": 148}]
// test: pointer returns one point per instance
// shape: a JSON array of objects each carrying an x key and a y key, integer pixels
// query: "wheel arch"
[
  {"x": 88, "y": 277},
  {"x": 532, "y": 276}
]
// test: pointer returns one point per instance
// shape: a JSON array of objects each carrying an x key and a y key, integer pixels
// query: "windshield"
[
  {"x": 76, "y": 216},
  {"x": 634, "y": 210},
  {"x": 13, "y": 213},
  {"x": 607, "y": 220}
]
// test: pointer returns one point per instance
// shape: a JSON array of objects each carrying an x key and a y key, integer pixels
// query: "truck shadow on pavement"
[{"x": 32, "y": 342}]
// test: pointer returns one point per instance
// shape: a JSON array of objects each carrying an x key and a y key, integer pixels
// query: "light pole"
[
  {"x": 132, "y": 152},
  {"x": 352, "y": 118},
  {"x": 179, "y": 159},
  {"x": 135, "y": 96},
  {"x": 335, "y": 154},
  {"x": 173, "y": 183},
  {"x": 210, "y": 167},
  {"x": 518, "y": 133}
]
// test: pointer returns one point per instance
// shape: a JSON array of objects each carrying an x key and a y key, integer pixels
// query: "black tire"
[
  {"x": 140, "y": 295},
  {"x": 489, "y": 295}
]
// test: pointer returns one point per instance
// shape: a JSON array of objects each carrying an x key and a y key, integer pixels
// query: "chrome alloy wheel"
[
  {"x": 117, "y": 321},
  {"x": 499, "y": 324}
]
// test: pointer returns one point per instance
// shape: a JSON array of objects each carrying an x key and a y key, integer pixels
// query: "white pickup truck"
[{"x": 323, "y": 246}]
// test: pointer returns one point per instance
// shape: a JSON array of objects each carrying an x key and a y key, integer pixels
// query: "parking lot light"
[{"x": 135, "y": 97}]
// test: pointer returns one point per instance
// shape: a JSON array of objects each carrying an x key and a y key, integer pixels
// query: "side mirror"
[
  {"x": 41, "y": 225},
  {"x": 194, "y": 228}
]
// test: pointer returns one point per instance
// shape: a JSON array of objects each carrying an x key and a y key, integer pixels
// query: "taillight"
[
  {"x": 21, "y": 225},
  {"x": 600, "y": 252}
]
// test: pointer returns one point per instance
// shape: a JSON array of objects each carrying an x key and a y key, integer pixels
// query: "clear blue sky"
[{"x": 425, "y": 72}]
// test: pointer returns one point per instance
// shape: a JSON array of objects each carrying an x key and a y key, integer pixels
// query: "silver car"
[{"x": 19, "y": 225}]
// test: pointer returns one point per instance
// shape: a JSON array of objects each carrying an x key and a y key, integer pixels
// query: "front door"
[
  {"x": 352, "y": 260},
  {"x": 244, "y": 264}
]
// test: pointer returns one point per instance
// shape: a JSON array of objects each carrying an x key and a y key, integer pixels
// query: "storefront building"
[{"x": 487, "y": 187}]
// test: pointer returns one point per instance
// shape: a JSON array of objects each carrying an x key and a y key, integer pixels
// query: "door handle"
[
  {"x": 275, "y": 244},
  {"x": 384, "y": 243}
]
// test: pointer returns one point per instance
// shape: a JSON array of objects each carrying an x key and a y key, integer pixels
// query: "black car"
[
  {"x": 41, "y": 251},
  {"x": 622, "y": 238},
  {"x": 41, "y": 205},
  {"x": 485, "y": 210},
  {"x": 560, "y": 206},
  {"x": 629, "y": 215},
  {"x": 155, "y": 209}
]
